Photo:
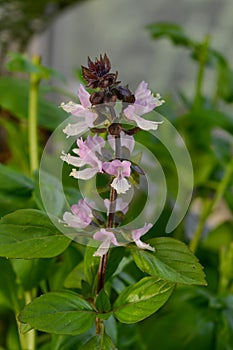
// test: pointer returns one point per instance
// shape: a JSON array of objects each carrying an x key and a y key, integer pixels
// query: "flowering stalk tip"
[{"x": 108, "y": 154}]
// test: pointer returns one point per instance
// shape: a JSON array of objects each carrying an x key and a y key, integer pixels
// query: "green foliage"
[
  {"x": 142, "y": 299},
  {"x": 51, "y": 285},
  {"x": 28, "y": 234},
  {"x": 172, "y": 261},
  {"x": 59, "y": 313}
]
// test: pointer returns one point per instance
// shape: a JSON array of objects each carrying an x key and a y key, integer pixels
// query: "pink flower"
[
  {"x": 82, "y": 111},
  {"x": 120, "y": 169},
  {"x": 145, "y": 102},
  {"x": 107, "y": 238},
  {"x": 81, "y": 215},
  {"x": 138, "y": 233},
  {"x": 87, "y": 156}
]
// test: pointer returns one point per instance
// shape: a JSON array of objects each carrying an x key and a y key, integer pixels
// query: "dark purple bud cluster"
[{"x": 98, "y": 76}]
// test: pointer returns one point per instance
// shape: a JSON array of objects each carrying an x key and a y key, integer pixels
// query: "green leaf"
[
  {"x": 28, "y": 233},
  {"x": 172, "y": 31},
  {"x": 171, "y": 261},
  {"x": 68, "y": 342},
  {"x": 9, "y": 289},
  {"x": 61, "y": 267},
  {"x": 21, "y": 63},
  {"x": 142, "y": 299},
  {"x": 14, "y": 183},
  {"x": 75, "y": 277},
  {"x": 60, "y": 313},
  {"x": 114, "y": 259},
  {"x": 102, "y": 302},
  {"x": 91, "y": 264}
]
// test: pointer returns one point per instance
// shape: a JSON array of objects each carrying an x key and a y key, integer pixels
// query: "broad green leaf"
[
  {"x": 60, "y": 313},
  {"x": 171, "y": 261},
  {"x": 14, "y": 183},
  {"x": 99, "y": 343},
  {"x": 9, "y": 289},
  {"x": 142, "y": 299},
  {"x": 28, "y": 233}
]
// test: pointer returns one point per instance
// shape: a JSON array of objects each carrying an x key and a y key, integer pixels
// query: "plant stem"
[
  {"x": 27, "y": 340},
  {"x": 32, "y": 118},
  {"x": 210, "y": 204},
  {"x": 110, "y": 224}
]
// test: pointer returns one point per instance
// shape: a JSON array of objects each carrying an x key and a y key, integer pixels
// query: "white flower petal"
[
  {"x": 72, "y": 160},
  {"x": 120, "y": 184},
  {"x": 103, "y": 248},
  {"x": 146, "y": 124},
  {"x": 143, "y": 245},
  {"x": 73, "y": 220},
  {"x": 75, "y": 129},
  {"x": 71, "y": 107},
  {"x": 85, "y": 174}
]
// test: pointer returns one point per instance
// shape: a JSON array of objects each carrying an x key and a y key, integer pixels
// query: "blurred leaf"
[
  {"x": 67, "y": 342},
  {"x": 62, "y": 266},
  {"x": 172, "y": 31},
  {"x": 52, "y": 193},
  {"x": 225, "y": 326},
  {"x": 12, "y": 338},
  {"x": 193, "y": 323},
  {"x": 98, "y": 342},
  {"x": 11, "y": 203},
  {"x": 14, "y": 98},
  {"x": 20, "y": 63},
  {"x": 75, "y": 277},
  {"x": 14, "y": 183},
  {"x": 9, "y": 289},
  {"x": 172, "y": 261},
  {"x": 142, "y": 299},
  {"x": 219, "y": 237},
  {"x": 31, "y": 272},
  {"x": 225, "y": 82},
  {"x": 222, "y": 144},
  {"x": 17, "y": 143},
  {"x": 60, "y": 313},
  {"x": 28, "y": 233}
]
